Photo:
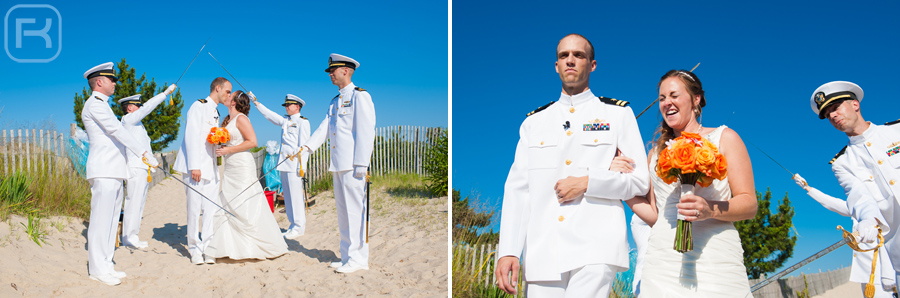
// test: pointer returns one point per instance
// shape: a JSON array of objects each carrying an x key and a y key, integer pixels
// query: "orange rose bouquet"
[
  {"x": 218, "y": 136},
  {"x": 693, "y": 160}
]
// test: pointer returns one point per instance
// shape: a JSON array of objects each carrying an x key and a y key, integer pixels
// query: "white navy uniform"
[
  {"x": 868, "y": 168},
  {"x": 861, "y": 266},
  {"x": 198, "y": 154},
  {"x": 106, "y": 170},
  {"x": 137, "y": 185},
  {"x": 869, "y": 171},
  {"x": 574, "y": 136},
  {"x": 350, "y": 127},
  {"x": 294, "y": 131}
]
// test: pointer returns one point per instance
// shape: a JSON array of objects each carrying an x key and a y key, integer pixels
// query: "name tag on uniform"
[
  {"x": 596, "y": 125},
  {"x": 346, "y": 104}
]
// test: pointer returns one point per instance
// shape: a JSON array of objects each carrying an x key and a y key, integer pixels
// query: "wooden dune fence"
[
  {"x": 33, "y": 150},
  {"x": 477, "y": 265},
  {"x": 398, "y": 149}
]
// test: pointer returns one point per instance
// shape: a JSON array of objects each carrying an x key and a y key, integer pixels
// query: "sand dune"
[{"x": 408, "y": 256}]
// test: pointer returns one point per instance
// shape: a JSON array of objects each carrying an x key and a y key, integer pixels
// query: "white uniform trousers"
[
  {"x": 135, "y": 197},
  {"x": 196, "y": 205},
  {"x": 588, "y": 281},
  {"x": 640, "y": 232},
  {"x": 106, "y": 205},
  {"x": 350, "y": 198},
  {"x": 294, "y": 200}
]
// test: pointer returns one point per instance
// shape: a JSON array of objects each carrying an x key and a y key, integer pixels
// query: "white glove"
[
  {"x": 170, "y": 89},
  {"x": 888, "y": 283},
  {"x": 868, "y": 230},
  {"x": 253, "y": 97},
  {"x": 152, "y": 161},
  {"x": 800, "y": 181},
  {"x": 359, "y": 171}
]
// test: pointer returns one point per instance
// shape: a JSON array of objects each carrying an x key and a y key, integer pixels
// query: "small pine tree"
[
  {"x": 766, "y": 238},
  {"x": 162, "y": 124}
]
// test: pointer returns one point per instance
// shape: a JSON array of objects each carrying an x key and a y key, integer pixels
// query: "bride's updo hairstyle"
[
  {"x": 694, "y": 87},
  {"x": 241, "y": 104}
]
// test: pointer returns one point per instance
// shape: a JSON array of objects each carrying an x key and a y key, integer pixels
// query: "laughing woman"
[{"x": 715, "y": 266}]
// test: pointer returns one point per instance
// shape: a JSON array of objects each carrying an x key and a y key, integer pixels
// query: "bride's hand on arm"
[
  {"x": 622, "y": 163},
  {"x": 742, "y": 205},
  {"x": 643, "y": 206}
]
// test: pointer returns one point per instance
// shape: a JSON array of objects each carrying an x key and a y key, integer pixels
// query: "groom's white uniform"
[
  {"x": 350, "y": 126},
  {"x": 294, "y": 131},
  {"x": 572, "y": 249},
  {"x": 198, "y": 154},
  {"x": 137, "y": 185}
]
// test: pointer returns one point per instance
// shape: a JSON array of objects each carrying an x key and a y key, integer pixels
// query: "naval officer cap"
[
  {"x": 105, "y": 69},
  {"x": 293, "y": 99},
  {"x": 338, "y": 60},
  {"x": 832, "y": 93},
  {"x": 134, "y": 99}
]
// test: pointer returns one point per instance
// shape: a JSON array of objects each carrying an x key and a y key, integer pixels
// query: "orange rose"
[
  {"x": 721, "y": 169},
  {"x": 706, "y": 157},
  {"x": 690, "y": 135},
  {"x": 683, "y": 156}
]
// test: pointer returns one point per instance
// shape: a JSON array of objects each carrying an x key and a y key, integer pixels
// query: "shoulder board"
[
  {"x": 336, "y": 96},
  {"x": 838, "y": 155},
  {"x": 613, "y": 101},
  {"x": 360, "y": 89},
  {"x": 892, "y": 122},
  {"x": 202, "y": 100},
  {"x": 97, "y": 98},
  {"x": 540, "y": 109},
  {"x": 302, "y": 117}
]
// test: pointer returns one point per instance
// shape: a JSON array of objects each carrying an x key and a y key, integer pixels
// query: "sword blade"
[
  {"x": 198, "y": 192},
  {"x": 226, "y": 71},
  {"x": 773, "y": 160},
  {"x": 192, "y": 60}
]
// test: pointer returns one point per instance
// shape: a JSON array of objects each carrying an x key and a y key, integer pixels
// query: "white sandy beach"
[{"x": 408, "y": 256}]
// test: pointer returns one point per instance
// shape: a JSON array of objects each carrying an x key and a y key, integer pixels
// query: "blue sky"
[
  {"x": 272, "y": 49},
  {"x": 760, "y": 62}
]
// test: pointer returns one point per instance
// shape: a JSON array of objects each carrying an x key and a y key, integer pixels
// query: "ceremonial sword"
[
  {"x": 229, "y": 73},
  {"x": 188, "y": 186},
  {"x": 657, "y": 99},
  {"x": 368, "y": 183},
  {"x": 192, "y": 60},
  {"x": 172, "y": 96}
]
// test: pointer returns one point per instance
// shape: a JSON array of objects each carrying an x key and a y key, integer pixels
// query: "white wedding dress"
[
  {"x": 252, "y": 232},
  {"x": 715, "y": 268}
]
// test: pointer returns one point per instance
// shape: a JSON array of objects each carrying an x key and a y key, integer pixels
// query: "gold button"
[
  {"x": 542, "y": 143},
  {"x": 569, "y": 133},
  {"x": 870, "y": 177},
  {"x": 561, "y": 218},
  {"x": 568, "y": 161},
  {"x": 868, "y": 144},
  {"x": 595, "y": 140},
  {"x": 880, "y": 162},
  {"x": 572, "y": 110},
  {"x": 332, "y": 147},
  {"x": 892, "y": 182}
]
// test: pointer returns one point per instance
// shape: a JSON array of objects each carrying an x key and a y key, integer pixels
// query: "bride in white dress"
[
  {"x": 715, "y": 267},
  {"x": 250, "y": 231}
]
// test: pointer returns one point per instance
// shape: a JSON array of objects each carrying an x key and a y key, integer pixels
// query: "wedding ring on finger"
[{"x": 698, "y": 214}]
